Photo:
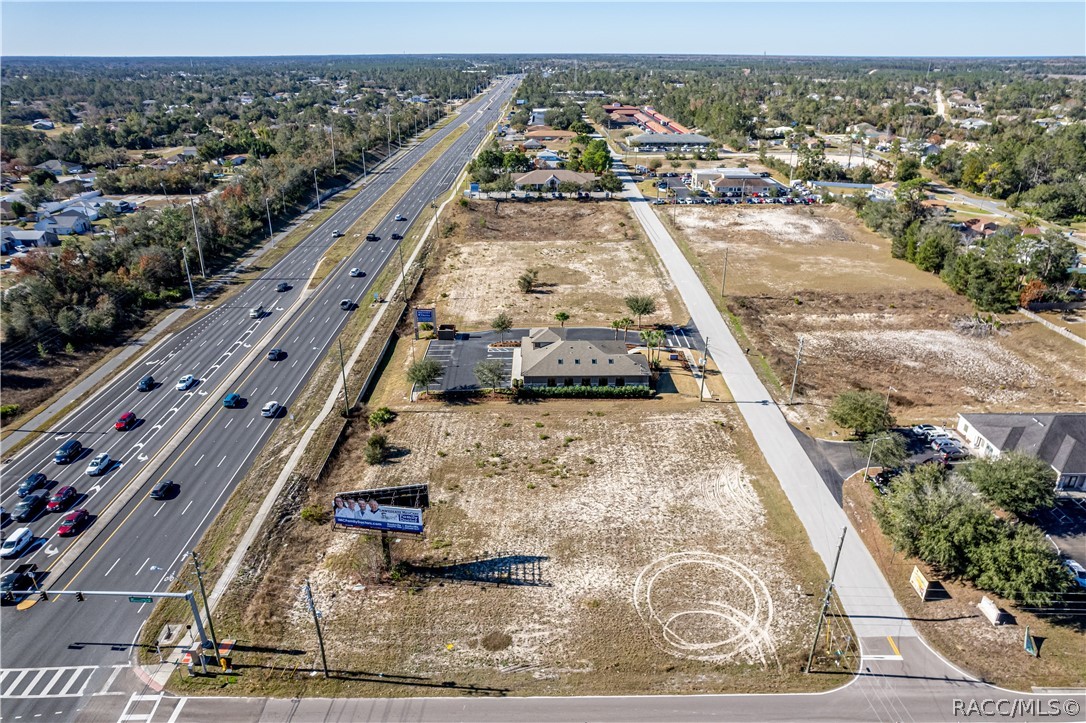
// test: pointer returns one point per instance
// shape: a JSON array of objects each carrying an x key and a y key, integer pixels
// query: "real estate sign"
[{"x": 919, "y": 583}]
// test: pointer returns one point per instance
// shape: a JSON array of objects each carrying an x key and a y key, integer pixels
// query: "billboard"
[
  {"x": 424, "y": 316},
  {"x": 393, "y": 509}
]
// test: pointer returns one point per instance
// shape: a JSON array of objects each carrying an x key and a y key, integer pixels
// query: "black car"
[
  {"x": 32, "y": 482},
  {"x": 18, "y": 582},
  {"x": 397, "y": 237},
  {"x": 372, "y": 237},
  {"x": 68, "y": 452},
  {"x": 282, "y": 286},
  {"x": 30, "y": 506},
  {"x": 146, "y": 384},
  {"x": 275, "y": 355},
  {"x": 163, "y": 490}
]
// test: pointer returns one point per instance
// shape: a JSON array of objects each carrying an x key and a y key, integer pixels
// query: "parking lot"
[{"x": 459, "y": 357}]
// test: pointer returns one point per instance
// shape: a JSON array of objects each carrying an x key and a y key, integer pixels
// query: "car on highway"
[
  {"x": 336, "y": 233},
  {"x": 99, "y": 465},
  {"x": 346, "y": 304},
  {"x": 29, "y": 507},
  {"x": 146, "y": 384},
  {"x": 397, "y": 237},
  {"x": 231, "y": 400},
  {"x": 372, "y": 237},
  {"x": 1077, "y": 571},
  {"x": 257, "y": 312},
  {"x": 16, "y": 542},
  {"x": 18, "y": 583},
  {"x": 270, "y": 409},
  {"x": 185, "y": 382},
  {"x": 68, "y": 452},
  {"x": 125, "y": 421},
  {"x": 163, "y": 490},
  {"x": 282, "y": 286},
  {"x": 275, "y": 354},
  {"x": 357, "y": 273},
  {"x": 62, "y": 499},
  {"x": 73, "y": 522},
  {"x": 33, "y": 481},
  {"x": 400, "y": 217}
]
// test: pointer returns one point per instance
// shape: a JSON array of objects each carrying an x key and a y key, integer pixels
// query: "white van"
[
  {"x": 256, "y": 312},
  {"x": 16, "y": 542}
]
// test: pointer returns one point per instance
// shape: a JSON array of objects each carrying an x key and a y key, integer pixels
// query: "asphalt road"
[{"x": 142, "y": 547}]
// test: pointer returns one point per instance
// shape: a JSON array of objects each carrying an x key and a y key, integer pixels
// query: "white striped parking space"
[{"x": 62, "y": 682}]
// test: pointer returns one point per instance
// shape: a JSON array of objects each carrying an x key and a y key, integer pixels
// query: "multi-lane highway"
[{"x": 135, "y": 543}]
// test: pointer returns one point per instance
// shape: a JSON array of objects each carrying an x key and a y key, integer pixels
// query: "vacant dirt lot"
[
  {"x": 657, "y": 554},
  {"x": 869, "y": 321},
  {"x": 589, "y": 256}
]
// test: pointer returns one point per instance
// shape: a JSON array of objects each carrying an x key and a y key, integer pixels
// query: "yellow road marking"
[{"x": 893, "y": 645}]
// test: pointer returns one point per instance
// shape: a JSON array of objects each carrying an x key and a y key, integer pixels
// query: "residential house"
[
  {"x": 884, "y": 191},
  {"x": 531, "y": 144},
  {"x": 972, "y": 124},
  {"x": 29, "y": 238},
  {"x": 548, "y": 134},
  {"x": 42, "y": 124},
  {"x": 548, "y": 159},
  {"x": 549, "y": 180},
  {"x": 60, "y": 168},
  {"x": 975, "y": 228},
  {"x": 65, "y": 223},
  {"x": 547, "y": 358},
  {"x": 6, "y": 212},
  {"x": 1057, "y": 439}
]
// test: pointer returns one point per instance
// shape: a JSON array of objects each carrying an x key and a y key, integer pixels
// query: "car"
[
  {"x": 68, "y": 452},
  {"x": 163, "y": 490},
  {"x": 1077, "y": 571},
  {"x": 19, "y": 248},
  {"x": 256, "y": 312},
  {"x": 922, "y": 430},
  {"x": 270, "y": 409},
  {"x": 29, "y": 507},
  {"x": 99, "y": 465},
  {"x": 16, "y": 542},
  {"x": 397, "y": 237},
  {"x": 275, "y": 354},
  {"x": 73, "y": 522},
  {"x": 399, "y": 217},
  {"x": 62, "y": 499},
  {"x": 125, "y": 421},
  {"x": 357, "y": 273},
  {"x": 936, "y": 432},
  {"x": 336, "y": 233},
  {"x": 33, "y": 481},
  {"x": 18, "y": 582},
  {"x": 185, "y": 382},
  {"x": 372, "y": 237},
  {"x": 231, "y": 400},
  {"x": 953, "y": 454},
  {"x": 943, "y": 440},
  {"x": 282, "y": 286},
  {"x": 146, "y": 384},
  {"x": 346, "y": 304}
]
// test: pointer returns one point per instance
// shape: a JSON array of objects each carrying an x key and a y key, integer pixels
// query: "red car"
[
  {"x": 62, "y": 499},
  {"x": 73, "y": 523},
  {"x": 126, "y": 421}
]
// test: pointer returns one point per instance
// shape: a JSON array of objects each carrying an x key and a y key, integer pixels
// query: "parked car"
[
  {"x": 29, "y": 507},
  {"x": 282, "y": 286},
  {"x": 1077, "y": 571},
  {"x": 163, "y": 490},
  {"x": 62, "y": 499},
  {"x": 185, "y": 382},
  {"x": 33, "y": 481},
  {"x": 68, "y": 452},
  {"x": 275, "y": 354},
  {"x": 146, "y": 384},
  {"x": 231, "y": 400},
  {"x": 73, "y": 522},
  {"x": 952, "y": 454},
  {"x": 99, "y": 465},
  {"x": 922, "y": 430},
  {"x": 125, "y": 421},
  {"x": 16, "y": 542},
  {"x": 270, "y": 409}
]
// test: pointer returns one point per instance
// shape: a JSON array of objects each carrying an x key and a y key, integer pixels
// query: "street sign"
[
  {"x": 424, "y": 316},
  {"x": 140, "y": 599}
]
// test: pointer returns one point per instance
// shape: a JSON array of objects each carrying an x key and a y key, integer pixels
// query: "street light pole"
[
  {"x": 207, "y": 607},
  {"x": 343, "y": 373},
  {"x": 871, "y": 452},
  {"x": 185, "y": 257},
  {"x": 332, "y": 136},
  {"x": 724, "y": 275},
  {"x": 388, "y": 117},
  {"x": 795, "y": 374},
  {"x": 267, "y": 207},
  {"x": 196, "y": 230},
  {"x": 317, "y": 189},
  {"x": 704, "y": 368}
]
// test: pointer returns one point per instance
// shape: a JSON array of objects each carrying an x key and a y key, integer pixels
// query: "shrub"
[
  {"x": 9, "y": 410},
  {"x": 579, "y": 392},
  {"x": 314, "y": 515},
  {"x": 381, "y": 416},
  {"x": 376, "y": 449}
]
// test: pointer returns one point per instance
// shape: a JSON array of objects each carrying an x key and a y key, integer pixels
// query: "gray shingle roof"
[
  {"x": 1059, "y": 439},
  {"x": 546, "y": 353},
  {"x": 670, "y": 139}
]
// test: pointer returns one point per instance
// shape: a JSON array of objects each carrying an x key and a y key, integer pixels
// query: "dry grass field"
[
  {"x": 869, "y": 321},
  {"x": 589, "y": 256}
]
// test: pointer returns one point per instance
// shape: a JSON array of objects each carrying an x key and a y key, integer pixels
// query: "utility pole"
[
  {"x": 267, "y": 207},
  {"x": 724, "y": 276},
  {"x": 795, "y": 374},
  {"x": 332, "y": 135},
  {"x": 207, "y": 608},
  {"x": 196, "y": 230},
  {"x": 185, "y": 257},
  {"x": 704, "y": 368},
  {"x": 343, "y": 372},
  {"x": 317, "y": 189},
  {"x": 317, "y": 623},
  {"x": 388, "y": 117},
  {"x": 403, "y": 272},
  {"x": 365, "y": 147},
  {"x": 826, "y": 600}
]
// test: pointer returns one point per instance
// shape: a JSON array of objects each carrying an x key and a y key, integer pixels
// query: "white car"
[
  {"x": 16, "y": 542},
  {"x": 270, "y": 409},
  {"x": 923, "y": 430},
  {"x": 399, "y": 217},
  {"x": 185, "y": 382},
  {"x": 99, "y": 465},
  {"x": 357, "y": 273}
]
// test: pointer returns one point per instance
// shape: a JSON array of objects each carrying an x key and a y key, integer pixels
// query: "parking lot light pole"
[
  {"x": 871, "y": 452},
  {"x": 795, "y": 374}
]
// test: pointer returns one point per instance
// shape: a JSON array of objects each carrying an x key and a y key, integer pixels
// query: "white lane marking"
[
  {"x": 198, "y": 461},
  {"x": 111, "y": 568},
  {"x": 113, "y": 676},
  {"x": 250, "y": 423},
  {"x": 187, "y": 507},
  {"x": 160, "y": 508},
  {"x": 273, "y": 391},
  {"x": 221, "y": 461},
  {"x": 295, "y": 363},
  {"x": 140, "y": 569},
  {"x": 228, "y": 421},
  {"x": 177, "y": 711}
]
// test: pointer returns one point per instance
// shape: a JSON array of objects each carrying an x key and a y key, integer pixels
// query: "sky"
[{"x": 747, "y": 27}]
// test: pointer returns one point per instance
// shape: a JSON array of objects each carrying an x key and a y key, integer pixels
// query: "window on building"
[
  {"x": 552, "y": 382},
  {"x": 586, "y": 382},
  {"x": 620, "y": 381},
  {"x": 561, "y": 361},
  {"x": 593, "y": 361},
  {"x": 576, "y": 361},
  {"x": 610, "y": 361},
  {"x": 568, "y": 382}
]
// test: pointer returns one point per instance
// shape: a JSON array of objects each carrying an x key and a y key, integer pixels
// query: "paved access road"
[{"x": 200, "y": 445}]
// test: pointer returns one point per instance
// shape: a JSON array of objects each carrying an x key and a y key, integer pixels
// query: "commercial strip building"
[
  {"x": 668, "y": 141},
  {"x": 546, "y": 358},
  {"x": 549, "y": 180},
  {"x": 1058, "y": 439}
]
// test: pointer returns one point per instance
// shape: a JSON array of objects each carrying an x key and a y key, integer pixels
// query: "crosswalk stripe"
[
  {"x": 14, "y": 684},
  {"x": 36, "y": 683},
  {"x": 53, "y": 680}
]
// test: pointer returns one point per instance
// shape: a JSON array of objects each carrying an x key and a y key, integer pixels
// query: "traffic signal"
[
  {"x": 79, "y": 597},
  {"x": 43, "y": 595}
]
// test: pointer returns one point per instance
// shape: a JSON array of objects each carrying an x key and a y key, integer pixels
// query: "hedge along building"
[{"x": 547, "y": 359}]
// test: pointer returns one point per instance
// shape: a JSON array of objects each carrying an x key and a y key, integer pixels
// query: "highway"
[{"x": 189, "y": 437}]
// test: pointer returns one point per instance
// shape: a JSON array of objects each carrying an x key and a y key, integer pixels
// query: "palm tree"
[
  {"x": 649, "y": 338},
  {"x": 561, "y": 317},
  {"x": 626, "y": 322},
  {"x": 616, "y": 325}
]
